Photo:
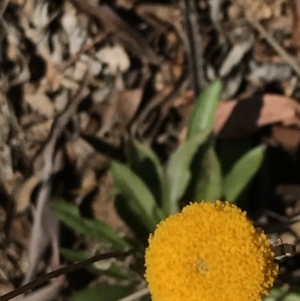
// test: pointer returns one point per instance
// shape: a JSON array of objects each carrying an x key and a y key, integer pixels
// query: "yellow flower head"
[{"x": 209, "y": 252}]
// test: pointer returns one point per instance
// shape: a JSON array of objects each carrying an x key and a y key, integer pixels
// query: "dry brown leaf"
[
  {"x": 38, "y": 132},
  {"x": 264, "y": 9},
  {"x": 53, "y": 76},
  {"x": 120, "y": 109},
  {"x": 287, "y": 137},
  {"x": 23, "y": 193},
  {"x": 243, "y": 117},
  {"x": 127, "y": 104},
  {"x": 79, "y": 151},
  {"x": 40, "y": 102},
  {"x": 88, "y": 183}
]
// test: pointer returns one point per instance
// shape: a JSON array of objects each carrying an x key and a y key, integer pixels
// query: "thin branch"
[{"x": 65, "y": 270}]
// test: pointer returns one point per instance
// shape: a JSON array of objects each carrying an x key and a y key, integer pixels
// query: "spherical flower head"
[{"x": 209, "y": 252}]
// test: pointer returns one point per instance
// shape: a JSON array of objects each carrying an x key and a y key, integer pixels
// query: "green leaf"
[
  {"x": 203, "y": 115},
  {"x": 283, "y": 294},
  {"x": 230, "y": 150},
  {"x": 178, "y": 169},
  {"x": 96, "y": 229},
  {"x": 74, "y": 255},
  {"x": 102, "y": 292},
  {"x": 139, "y": 198},
  {"x": 144, "y": 162},
  {"x": 138, "y": 228},
  {"x": 206, "y": 182},
  {"x": 113, "y": 271},
  {"x": 242, "y": 172}
]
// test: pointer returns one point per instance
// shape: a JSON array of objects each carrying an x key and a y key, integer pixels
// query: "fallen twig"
[{"x": 65, "y": 270}]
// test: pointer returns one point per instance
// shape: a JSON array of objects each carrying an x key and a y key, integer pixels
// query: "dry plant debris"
[{"x": 78, "y": 77}]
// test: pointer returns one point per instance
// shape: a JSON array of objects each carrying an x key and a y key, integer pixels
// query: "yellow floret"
[{"x": 209, "y": 252}]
